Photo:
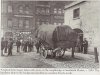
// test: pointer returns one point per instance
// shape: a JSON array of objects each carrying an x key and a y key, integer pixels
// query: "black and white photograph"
[{"x": 50, "y": 34}]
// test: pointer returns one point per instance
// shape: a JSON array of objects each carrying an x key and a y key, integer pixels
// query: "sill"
[{"x": 76, "y": 18}]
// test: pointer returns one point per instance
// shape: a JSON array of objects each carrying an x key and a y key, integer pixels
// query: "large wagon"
[{"x": 55, "y": 39}]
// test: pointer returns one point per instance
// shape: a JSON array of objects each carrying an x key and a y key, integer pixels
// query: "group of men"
[
  {"x": 7, "y": 45},
  {"x": 27, "y": 46},
  {"x": 83, "y": 46}
]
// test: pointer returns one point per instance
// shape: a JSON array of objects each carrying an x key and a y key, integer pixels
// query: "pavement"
[{"x": 34, "y": 60}]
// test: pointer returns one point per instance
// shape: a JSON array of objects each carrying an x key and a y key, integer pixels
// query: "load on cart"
[{"x": 54, "y": 40}]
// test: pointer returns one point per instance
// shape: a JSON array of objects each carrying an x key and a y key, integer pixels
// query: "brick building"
[{"x": 24, "y": 17}]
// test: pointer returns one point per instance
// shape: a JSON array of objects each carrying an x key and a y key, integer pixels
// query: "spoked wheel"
[
  {"x": 43, "y": 52},
  {"x": 60, "y": 53}
]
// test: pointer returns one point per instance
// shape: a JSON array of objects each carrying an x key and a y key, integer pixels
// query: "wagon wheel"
[
  {"x": 52, "y": 54},
  {"x": 60, "y": 53},
  {"x": 43, "y": 52}
]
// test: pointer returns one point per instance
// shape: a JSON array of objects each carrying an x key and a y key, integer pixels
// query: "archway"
[{"x": 80, "y": 34}]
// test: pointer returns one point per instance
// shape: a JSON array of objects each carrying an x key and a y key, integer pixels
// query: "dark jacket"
[
  {"x": 85, "y": 43},
  {"x": 10, "y": 44},
  {"x": 18, "y": 43}
]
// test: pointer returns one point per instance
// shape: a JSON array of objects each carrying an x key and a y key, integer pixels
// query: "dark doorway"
[{"x": 80, "y": 34}]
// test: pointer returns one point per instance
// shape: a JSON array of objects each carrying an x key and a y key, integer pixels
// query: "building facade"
[
  {"x": 84, "y": 15},
  {"x": 22, "y": 18}
]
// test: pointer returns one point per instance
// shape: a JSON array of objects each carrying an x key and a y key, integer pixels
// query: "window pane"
[{"x": 76, "y": 13}]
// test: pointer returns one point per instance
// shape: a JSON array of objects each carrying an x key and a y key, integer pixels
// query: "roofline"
[{"x": 73, "y": 4}]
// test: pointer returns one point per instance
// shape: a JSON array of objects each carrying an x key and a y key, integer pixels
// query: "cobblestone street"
[{"x": 34, "y": 60}]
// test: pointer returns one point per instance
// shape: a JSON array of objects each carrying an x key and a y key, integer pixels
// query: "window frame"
[{"x": 76, "y": 13}]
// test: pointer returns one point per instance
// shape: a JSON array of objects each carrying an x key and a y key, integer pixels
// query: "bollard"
[
  {"x": 73, "y": 49},
  {"x": 96, "y": 54}
]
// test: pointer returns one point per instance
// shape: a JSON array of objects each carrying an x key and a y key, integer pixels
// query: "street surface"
[{"x": 34, "y": 60}]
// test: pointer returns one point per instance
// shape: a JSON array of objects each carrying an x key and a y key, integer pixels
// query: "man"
[
  {"x": 30, "y": 45},
  {"x": 18, "y": 44},
  {"x": 85, "y": 46},
  {"x": 6, "y": 44},
  {"x": 10, "y": 46},
  {"x": 37, "y": 45},
  {"x": 25, "y": 46},
  {"x": 2, "y": 46}
]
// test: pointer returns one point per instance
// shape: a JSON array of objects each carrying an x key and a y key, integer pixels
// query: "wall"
[{"x": 89, "y": 21}]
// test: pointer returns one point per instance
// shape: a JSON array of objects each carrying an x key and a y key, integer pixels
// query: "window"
[
  {"x": 43, "y": 23},
  {"x": 37, "y": 22},
  {"x": 27, "y": 24},
  {"x": 76, "y": 13},
  {"x": 37, "y": 10},
  {"x": 4, "y": 7},
  {"x": 47, "y": 22},
  {"x": 27, "y": 10},
  {"x": 20, "y": 23},
  {"x": 59, "y": 23},
  {"x": 59, "y": 11},
  {"x": 20, "y": 9},
  {"x": 62, "y": 11},
  {"x": 9, "y": 23},
  {"x": 55, "y": 10},
  {"x": 43, "y": 10},
  {"x": 47, "y": 10},
  {"x": 55, "y": 23},
  {"x": 9, "y": 9},
  {"x": 15, "y": 22}
]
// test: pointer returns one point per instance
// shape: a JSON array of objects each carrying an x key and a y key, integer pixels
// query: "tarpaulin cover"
[
  {"x": 54, "y": 35},
  {"x": 64, "y": 36}
]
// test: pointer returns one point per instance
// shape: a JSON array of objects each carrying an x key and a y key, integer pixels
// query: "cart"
[{"x": 54, "y": 40}]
